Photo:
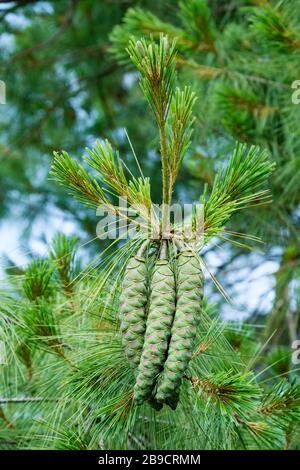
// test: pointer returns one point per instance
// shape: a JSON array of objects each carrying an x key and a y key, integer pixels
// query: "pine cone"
[
  {"x": 159, "y": 321},
  {"x": 133, "y": 303},
  {"x": 184, "y": 328}
]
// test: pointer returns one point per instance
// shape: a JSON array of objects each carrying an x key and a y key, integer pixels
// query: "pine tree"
[{"x": 65, "y": 345}]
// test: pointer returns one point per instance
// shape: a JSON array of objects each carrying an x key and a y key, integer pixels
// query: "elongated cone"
[
  {"x": 159, "y": 321},
  {"x": 133, "y": 303},
  {"x": 184, "y": 328}
]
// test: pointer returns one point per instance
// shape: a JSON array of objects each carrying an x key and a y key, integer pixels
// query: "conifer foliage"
[{"x": 127, "y": 348}]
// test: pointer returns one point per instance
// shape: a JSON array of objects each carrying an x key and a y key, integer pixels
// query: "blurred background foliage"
[
  {"x": 69, "y": 82},
  {"x": 64, "y": 89}
]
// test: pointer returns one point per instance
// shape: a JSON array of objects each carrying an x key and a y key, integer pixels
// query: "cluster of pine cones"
[{"x": 160, "y": 311}]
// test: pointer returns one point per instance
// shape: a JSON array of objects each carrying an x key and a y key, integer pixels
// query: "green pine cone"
[
  {"x": 133, "y": 303},
  {"x": 159, "y": 321},
  {"x": 184, "y": 328}
]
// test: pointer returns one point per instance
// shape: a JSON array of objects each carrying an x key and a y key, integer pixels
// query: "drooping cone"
[
  {"x": 159, "y": 321},
  {"x": 184, "y": 328},
  {"x": 133, "y": 303}
]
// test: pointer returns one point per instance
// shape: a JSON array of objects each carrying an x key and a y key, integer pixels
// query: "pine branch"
[
  {"x": 179, "y": 129},
  {"x": 37, "y": 280},
  {"x": 69, "y": 173},
  {"x": 111, "y": 171},
  {"x": 236, "y": 395},
  {"x": 63, "y": 254},
  {"x": 283, "y": 401},
  {"x": 197, "y": 19},
  {"x": 244, "y": 99},
  {"x": 172, "y": 109},
  {"x": 231, "y": 392},
  {"x": 42, "y": 326},
  {"x": 278, "y": 26},
  {"x": 138, "y": 22},
  {"x": 156, "y": 64},
  {"x": 101, "y": 158},
  {"x": 245, "y": 113},
  {"x": 237, "y": 187},
  {"x": 197, "y": 33},
  {"x": 38, "y": 314}
]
